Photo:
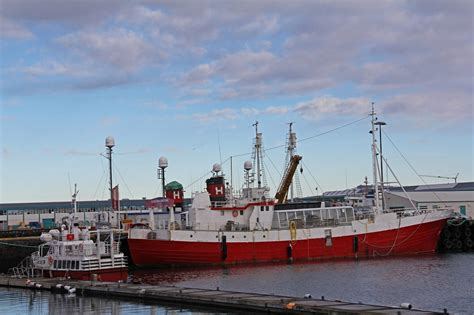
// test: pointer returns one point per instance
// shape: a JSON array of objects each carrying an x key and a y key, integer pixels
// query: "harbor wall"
[{"x": 13, "y": 250}]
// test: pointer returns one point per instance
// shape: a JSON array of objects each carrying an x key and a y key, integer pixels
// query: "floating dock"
[{"x": 216, "y": 299}]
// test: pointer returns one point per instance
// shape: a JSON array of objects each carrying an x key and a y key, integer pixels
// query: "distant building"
[{"x": 459, "y": 196}]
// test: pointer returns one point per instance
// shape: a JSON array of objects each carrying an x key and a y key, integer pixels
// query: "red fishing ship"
[{"x": 222, "y": 228}]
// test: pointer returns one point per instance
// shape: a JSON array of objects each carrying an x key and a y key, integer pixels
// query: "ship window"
[
  {"x": 435, "y": 207},
  {"x": 222, "y": 212},
  {"x": 267, "y": 208},
  {"x": 55, "y": 264},
  {"x": 261, "y": 208},
  {"x": 423, "y": 207},
  {"x": 241, "y": 212}
]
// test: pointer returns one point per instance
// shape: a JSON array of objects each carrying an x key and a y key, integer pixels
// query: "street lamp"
[
  {"x": 162, "y": 164},
  {"x": 380, "y": 124}
]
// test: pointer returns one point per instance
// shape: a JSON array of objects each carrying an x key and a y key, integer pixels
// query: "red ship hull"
[
  {"x": 109, "y": 275},
  {"x": 416, "y": 239}
]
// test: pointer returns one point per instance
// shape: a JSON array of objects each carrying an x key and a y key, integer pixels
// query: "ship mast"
[
  {"x": 290, "y": 152},
  {"x": 374, "y": 161},
  {"x": 74, "y": 199},
  {"x": 258, "y": 154},
  {"x": 110, "y": 143}
]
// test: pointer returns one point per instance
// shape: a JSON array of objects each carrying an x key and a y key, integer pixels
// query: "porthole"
[
  {"x": 191, "y": 235},
  {"x": 233, "y": 236},
  {"x": 264, "y": 236}
]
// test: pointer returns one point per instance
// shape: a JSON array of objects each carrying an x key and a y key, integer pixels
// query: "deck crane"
[
  {"x": 282, "y": 192},
  {"x": 455, "y": 178}
]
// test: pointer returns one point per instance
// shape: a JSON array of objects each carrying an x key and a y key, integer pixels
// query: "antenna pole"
[
  {"x": 110, "y": 173},
  {"x": 291, "y": 149},
  {"x": 374, "y": 161},
  {"x": 110, "y": 143},
  {"x": 231, "y": 177}
]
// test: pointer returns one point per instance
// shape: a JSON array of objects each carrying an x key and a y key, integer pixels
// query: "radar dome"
[
  {"x": 216, "y": 168},
  {"x": 163, "y": 162},
  {"x": 109, "y": 142},
  {"x": 248, "y": 165}
]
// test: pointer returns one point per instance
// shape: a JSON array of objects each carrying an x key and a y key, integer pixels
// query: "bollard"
[{"x": 406, "y": 306}]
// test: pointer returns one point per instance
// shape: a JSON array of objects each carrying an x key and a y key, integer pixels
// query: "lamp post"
[
  {"x": 162, "y": 164},
  {"x": 380, "y": 124}
]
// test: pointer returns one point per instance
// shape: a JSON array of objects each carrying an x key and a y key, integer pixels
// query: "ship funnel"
[
  {"x": 215, "y": 186},
  {"x": 174, "y": 191}
]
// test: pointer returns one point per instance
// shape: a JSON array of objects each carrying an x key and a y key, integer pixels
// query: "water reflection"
[
  {"x": 21, "y": 301},
  {"x": 428, "y": 282},
  {"x": 431, "y": 282}
]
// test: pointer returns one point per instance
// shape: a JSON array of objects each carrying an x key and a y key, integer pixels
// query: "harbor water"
[
  {"x": 15, "y": 301},
  {"x": 431, "y": 282}
]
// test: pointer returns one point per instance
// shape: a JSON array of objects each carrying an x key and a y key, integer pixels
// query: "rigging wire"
[
  {"x": 219, "y": 144},
  {"x": 411, "y": 167},
  {"x": 283, "y": 145},
  {"x": 200, "y": 178},
  {"x": 307, "y": 182},
  {"x": 269, "y": 174},
  {"x": 314, "y": 178},
  {"x": 273, "y": 164},
  {"x": 124, "y": 182}
]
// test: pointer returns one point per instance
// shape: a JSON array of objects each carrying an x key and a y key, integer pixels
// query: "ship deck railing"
[
  {"x": 410, "y": 212},
  {"x": 313, "y": 217},
  {"x": 24, "y": 269}
]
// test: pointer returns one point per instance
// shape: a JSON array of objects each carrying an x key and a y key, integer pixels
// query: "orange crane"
[{"x": 282, "y": 193}]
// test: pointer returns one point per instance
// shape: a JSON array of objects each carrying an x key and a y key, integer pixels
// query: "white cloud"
[
  {"x": 252, "y": 50},
  {"x": 312, "y": 110},
  {"x": 109, "y": 121},
  {"x": 318, "y": 107},
  {"x": 120, "y": 48},
  {"x": 261, "y": 24},
  {"x": 6, "y": 154},
  {"x": 53, "y": 68},
  {"x": 13, "y": 30},
  {"x": 215, "y": 115},
  {"x": 277, "y": 110}
]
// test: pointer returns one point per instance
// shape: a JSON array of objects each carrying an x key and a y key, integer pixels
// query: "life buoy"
[
  {"x": 235, "y": 213},
  {"x": 50, "y": 260}
]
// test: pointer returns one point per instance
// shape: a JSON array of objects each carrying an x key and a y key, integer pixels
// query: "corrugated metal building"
[{"x": 460, "y": 196}]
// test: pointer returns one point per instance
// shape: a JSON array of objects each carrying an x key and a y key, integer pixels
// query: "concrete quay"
[{"x": 216, "y": 299}]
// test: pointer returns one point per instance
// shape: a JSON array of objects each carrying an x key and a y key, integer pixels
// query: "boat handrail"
[{"x": 313, "y": 217}]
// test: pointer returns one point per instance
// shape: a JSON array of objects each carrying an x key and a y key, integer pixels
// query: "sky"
[{"x": 187, "y": 79}]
